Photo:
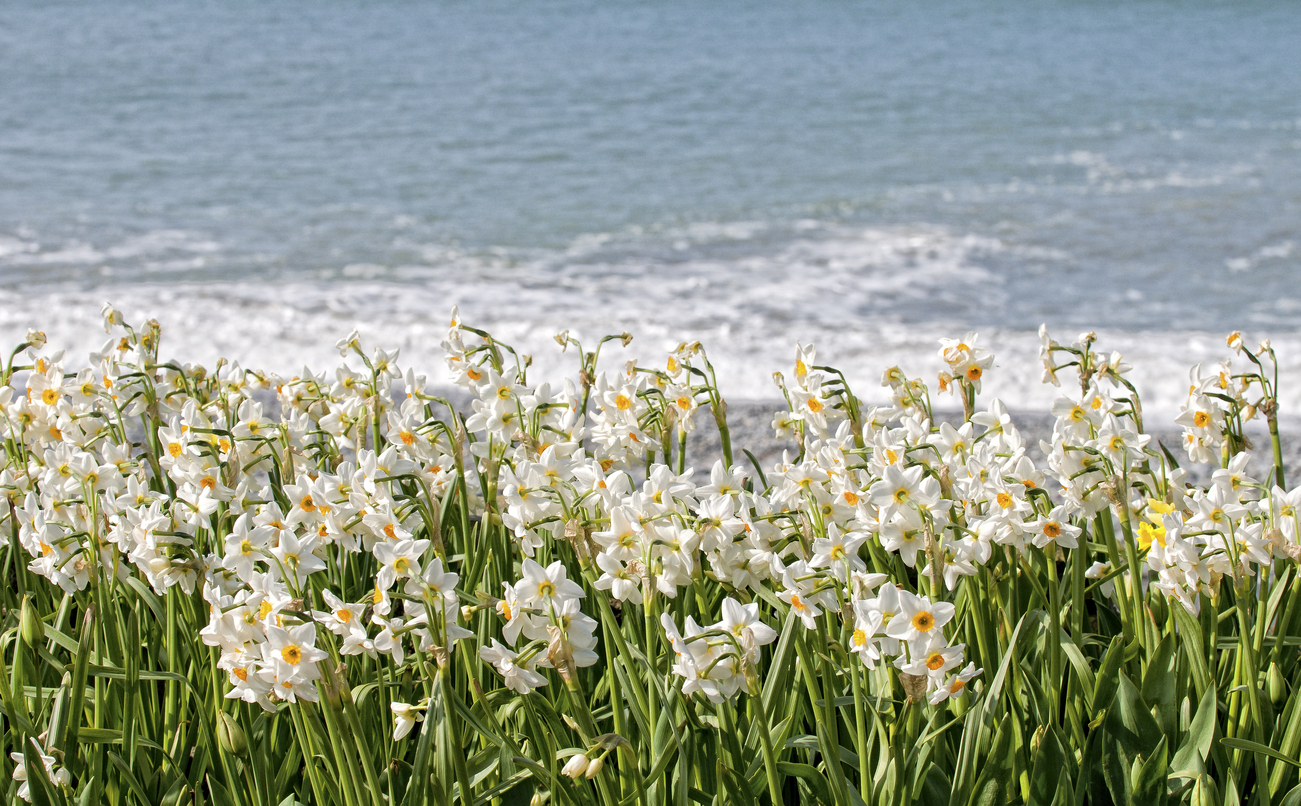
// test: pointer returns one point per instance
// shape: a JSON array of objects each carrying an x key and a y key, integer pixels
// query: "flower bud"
[
  {"x": 30, "y": 626},
  {"x": 957, "y": 705},
  {"x": 1159, "y": 608},
  {"x": 1037, "y": 740},
  {"x": 753, "y": 686},
  {"x": 594, "y": 769},
  {"x": 575, "y": 767},
  {"x": 231, "y": 736},
  {"x": 1276, "y": 686},
  {"x": 1205, "y": 793}
]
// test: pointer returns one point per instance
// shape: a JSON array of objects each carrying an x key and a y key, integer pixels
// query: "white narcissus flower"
[
  {"x": 798, "y": 593},
  {"x": 622, "y": 541},
  {"x": 742, "y": 621},
  {"x": 717, "y": 523},
  {"x": 805, "y": 359},
  {"x": 904, "y": 533},
  {"x": 618, "y": 579},
  {"x": 292, "y": 653},
  {"x": 867, "y": 624},
  {"x": 575, "y": 767},
  {"x": 348, "y": 343},
  {"x": 965, "y": 359},
  {"x": 541, "y": 585},
  {"x": 244, "y": 546},
  {"x": 389, "y": 640},
  {"x": 517, "y": 616},
  {"x": 839, "y": 551},
  {"x": 295, "y": 560},
  {"x": 434, "y": 579},
  {"x": 918, "y": 617},
  {"x": 896, "y": 489},
  {"x": 955, "y": 685},
  {"x": 342, "y": 619},
  {"x": 58, "y": 777},
  {"x": 933, "y": 657},
  {"x": 398, "y": 560},
  {"x": 405, "y": 718},
  {"x": 519, "y": 678}
]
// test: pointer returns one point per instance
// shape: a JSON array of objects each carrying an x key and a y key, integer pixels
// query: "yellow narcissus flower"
[{"x": 1153, "y": 529}]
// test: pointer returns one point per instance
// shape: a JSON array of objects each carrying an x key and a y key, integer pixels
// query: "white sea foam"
[{"x": 869, "y": 298}]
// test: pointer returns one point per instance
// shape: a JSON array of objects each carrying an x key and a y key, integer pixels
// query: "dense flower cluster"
[{"x": 308, "y": 510}]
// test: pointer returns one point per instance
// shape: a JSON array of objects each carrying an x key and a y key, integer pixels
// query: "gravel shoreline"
[{"x": 750, "y": 425}]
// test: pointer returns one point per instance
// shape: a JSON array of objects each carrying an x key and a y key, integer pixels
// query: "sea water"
[{"x": 264, "y": 177}]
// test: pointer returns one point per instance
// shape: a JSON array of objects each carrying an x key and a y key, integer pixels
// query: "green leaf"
[
  {"x": 58, "y": 716},
  {"x": 1049, "y": 766},
  {"x": 935, "y": 787},
  {"x": 220, "y": 794},
  {"x": 418, "y": 785},
  {"x": 1190, "y": 633},
  {"x": 147, "y": 595},
  {"x": 1107, "y": 678},
  {"x": 38, "y": 785},
  {"x": 91, "y": 793},
  {"x": 978, "y": 721},
  {"x": 504, "y": 787},
  {"x": 1115, "y": 769},
  {"x": 1088, "y": 680},
  {"x": 808, "y": 773},
  {"x": 1091, "y": 767},
  {"x": 62, "y": 640},
  {"x": 1231, "y": 792},
  {"x": 1192, "y": 754},
  {"x": 360, "y": 693},
  {"x": 1292, "y": 798},
  {"x": 1065, "y": 792},
  {"x": 1253, "y": 747},
  {"x": 76, "y": 697},
  {"x": 132, "y": 782},
  {"x": 100, "y": 735},
  {"x": 1159, "y": 682},
  {"x": 1130, "y": 721},
  {"x": 1150, "y": 785},
  {"x": 993, "y": 786}
]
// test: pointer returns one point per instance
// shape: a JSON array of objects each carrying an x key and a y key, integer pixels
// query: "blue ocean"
[{"x": 264, "y": 177}]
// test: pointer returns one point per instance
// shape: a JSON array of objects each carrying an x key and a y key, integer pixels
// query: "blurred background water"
[{"x": 262, "y": 177}]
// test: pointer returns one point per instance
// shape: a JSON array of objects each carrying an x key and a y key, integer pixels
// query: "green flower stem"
[
  {"x": 827, "y": 723},
  {"x": 588, "y": 732},
  {"x": 454, "y": 745},
  {"x": 1253, "y": 690},
  {"x": 626, "y": 783},
  {"x": 1055, "y": 639},
  {"x": 860, "y": 728},
  {"x": 1102, "y": 525},
  {"x": 355, "y": 736},
  {"x": 1142, "y": 624},
  {"x": 1276, "y": 444},
  {"x": 769, "y": 756},
  {"x": 308, "y": 748},
  {"x": 651, "y": 648},
  {"x": 625, "y": 654}
]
